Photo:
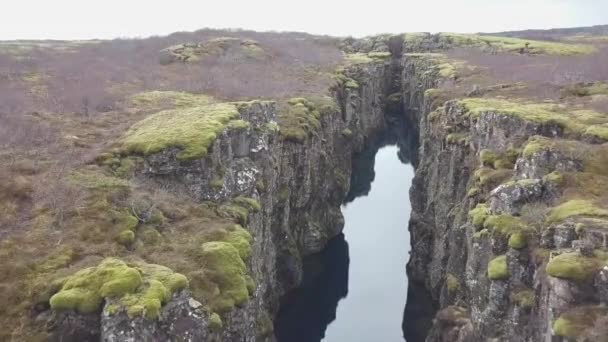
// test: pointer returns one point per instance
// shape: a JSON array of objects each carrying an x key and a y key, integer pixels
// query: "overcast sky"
[{"x": 81, "y": 19}]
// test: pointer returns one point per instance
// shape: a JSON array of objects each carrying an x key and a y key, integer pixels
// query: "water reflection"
[
  {"x": 306, "y": 311},
  {"x": 376, "y": 215}
]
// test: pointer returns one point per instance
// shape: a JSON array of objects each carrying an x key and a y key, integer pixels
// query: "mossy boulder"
[
  {"x": 575, "y": 267},
  {"x": 498, "y": 269},
  {"x": 223, "y": 263},
  {"x": 479, "y": 214},
  {"x": 140, "y": 288}
]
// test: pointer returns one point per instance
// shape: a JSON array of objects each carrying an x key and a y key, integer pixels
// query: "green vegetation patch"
[
  {"x": 215, "y": 322},
  {"x": 140, "y": 288},
  {"x": 575, "y": 207},
  {"x": 225, "y": 267},
  {"x": 498, "y": 269},
  {"x": 574, "y": 322},
  {"x": 518, "y": 240},
  {"x": 96, "y": 180},
  {"x": 479, "y": 214},
  {"x": 489, "y": 177},
  {"x": 300, "y": 117},
  {"x": 517, "y": 45},
  {"x": 239, "y": 208},
  {"x": 524, "y": 298},
  {"x": 597, "y": 88},
  {"x": 573, "y": 266},
  {"x": 168, "y": 99},
  {"x": 577, "y": 122},
  {"x": 192, "y": 129},
  {"x": 452, "y": 283},
  {"x": 366, "y": 58}
]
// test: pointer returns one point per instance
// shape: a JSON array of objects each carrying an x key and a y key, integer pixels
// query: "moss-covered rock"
[
  {"x": 575, "y": 207},
  {"x": 524, "y": 298},
  {"x": 215, "y": 322},
  {"x": 140, "y": 288},
  {"x": 191, "y": 129},
  {"x": 518, "y": 240},
  {"x": 479, "y": 214},
  {"x": 575, "y": 267},
  {"x": 224, "y": 265},
  {"x": 300, "y": 117},
  {"x": 497, "y": 268},
  {"x": 574, "y": 322},
  {"x": 575, "y": 122}
]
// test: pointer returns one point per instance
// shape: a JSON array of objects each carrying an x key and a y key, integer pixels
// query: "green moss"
[
  {"x": 347, "y": 133},
  {"x": 247, "y": 202},
  {"x": 497, "y": 268},
  {"x": 487, "y": 157},
  {"x": 518, "y": 240},
  {"x": 365, "y": 58},
  {"x": 474, "y": 191},
  {"x": 524, "y": 298},
  {"x": 452, "y": 283},
  {"x": 126, "y": 237},
  {"x": 576, "y": 207},
  {"x": 217, "y": 183},
  {"x": 573, "y": 266},
  {"x": 573, "y": 323},
  {"x": 597, "y": 88},
  {"x": 341, "y": 179},
  {"x": 350, "y": 83},
  {"x": 238, "y": 125},
  {"x": 577, "y": 122},
  {"x": 516, "y": 45},
  {"x": 227, "y": 270},
  {"x": 300, "y": 118},
  {"x": 240, "y": 238},
  {"x": 504, "y": 224},
  {"x": 141, "y": 288},
  {"x": 554, "y": 177},
  {"x": 598, "y": 131},
  {"x": 158, "y": 99},
  {"x": 95, "y": 180},
  {"x": 481, "y": 234},
  {"x": 126, "y": 167},
  {"x": 85, "y": 290},
  {"x": 488, "y": 177},
  {"x": 192, "y": 129},
  {"x": 457, "y": 138},
  {"x": 479, "y": 214},
  {"x": 215, "y": 322}
]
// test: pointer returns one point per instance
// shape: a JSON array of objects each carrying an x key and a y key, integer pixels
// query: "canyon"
[{"x": 508, "y": 210}]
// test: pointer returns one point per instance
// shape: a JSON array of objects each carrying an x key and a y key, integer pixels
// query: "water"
[{"x": 362, "y": 272}]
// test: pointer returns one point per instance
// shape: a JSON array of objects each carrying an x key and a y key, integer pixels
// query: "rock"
[
  {"x": 601, "y": 285},
  {"x": 544, "y": 162},
  {"x": 508, "y": 198},
  {"x": 585, "y": 248}
]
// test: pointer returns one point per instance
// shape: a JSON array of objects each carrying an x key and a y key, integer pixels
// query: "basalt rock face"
[
  {"x": 452, "y": 254},
  {"x": 300, "y": 187}
]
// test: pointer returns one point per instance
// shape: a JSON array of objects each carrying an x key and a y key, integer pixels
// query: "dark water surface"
[{"x": 355, "y": 290}]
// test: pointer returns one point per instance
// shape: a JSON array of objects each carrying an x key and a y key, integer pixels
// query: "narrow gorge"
[{"x": 507, "y": 230}]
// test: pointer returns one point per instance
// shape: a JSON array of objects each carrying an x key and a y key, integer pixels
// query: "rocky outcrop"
[
  {"x": 299, "y": 186},
  {"x": 492, "y": 276}
]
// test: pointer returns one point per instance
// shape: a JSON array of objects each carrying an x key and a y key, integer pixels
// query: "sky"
[{"x": 107, "y": 19}]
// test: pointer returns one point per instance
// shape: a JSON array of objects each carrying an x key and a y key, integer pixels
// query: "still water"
[{"x": 355, "y": 290}]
